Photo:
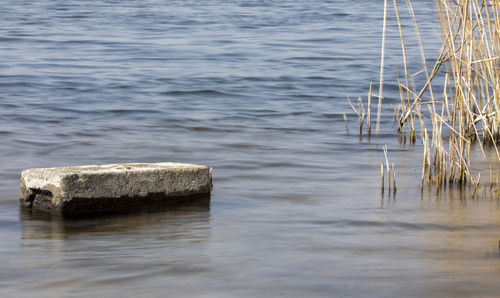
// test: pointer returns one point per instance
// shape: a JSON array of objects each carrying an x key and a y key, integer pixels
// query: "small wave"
[
  {"x": 79, "y": 16},
  {"x": 8, "y": 39},
  {"x": 196, "y": 92},
  {"x": 392, "y": 224},
  {"x": 316, "y": 58},
  {"x": 17, "y": 84},
  {"x": 317, "y": 40},
  {"x": 132, "y": 111},
  {"x": 9, "y": 224},
  {"x": 208, "y": 129},
  {"x": 243, "y": 145},
  {"x": 76, "y": 111},
  {"x": 315, "y": 96},
  {"x": 35, "y": 119}
]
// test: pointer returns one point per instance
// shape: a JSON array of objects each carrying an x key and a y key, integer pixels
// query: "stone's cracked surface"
[{"x": 80, "y": 189}]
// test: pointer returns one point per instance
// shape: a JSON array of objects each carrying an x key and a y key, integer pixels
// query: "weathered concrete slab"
[{"x": 81, "y": 189}]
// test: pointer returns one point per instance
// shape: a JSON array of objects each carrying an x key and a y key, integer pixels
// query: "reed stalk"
[
  {"x": 388, "y": 167},
  {"x": 394, "y": 178},
  {"x": 369, "y": 109},
  {"x": 381, "y": 76},
  {"x": 382, "y": 175},
  {"x": 469, "y": 111},
  {"x": 360, "y": 111},
  {"x": 346, "y": 123}
]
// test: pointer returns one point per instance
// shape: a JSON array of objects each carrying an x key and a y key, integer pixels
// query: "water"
[{"x": 257, "y": 90}]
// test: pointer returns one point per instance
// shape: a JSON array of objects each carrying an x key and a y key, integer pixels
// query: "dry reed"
[
  {"x": 391, "y": 173},
  {"x": 381, "y": 76},
  {"x": 469, "y": 111}
]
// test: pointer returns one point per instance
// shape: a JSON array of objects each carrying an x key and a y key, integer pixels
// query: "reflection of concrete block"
[{"x": 80, "y": 189}]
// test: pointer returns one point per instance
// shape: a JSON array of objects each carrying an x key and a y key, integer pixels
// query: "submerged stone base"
[{"x": 84, "y": 189}]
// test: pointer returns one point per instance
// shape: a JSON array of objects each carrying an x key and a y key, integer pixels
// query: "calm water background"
[{"x": 255, "y": 89}]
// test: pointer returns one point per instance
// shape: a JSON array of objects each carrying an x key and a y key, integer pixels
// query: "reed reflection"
[{"x": 461, "y": 245}]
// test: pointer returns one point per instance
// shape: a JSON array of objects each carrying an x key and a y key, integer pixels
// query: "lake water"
[{"x": 256, "y": 90}]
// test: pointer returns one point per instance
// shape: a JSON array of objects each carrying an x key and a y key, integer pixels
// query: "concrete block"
[{"x": 81, "y": 189}]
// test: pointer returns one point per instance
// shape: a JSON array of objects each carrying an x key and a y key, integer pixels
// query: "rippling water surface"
[{"x": 257, "y": 90}]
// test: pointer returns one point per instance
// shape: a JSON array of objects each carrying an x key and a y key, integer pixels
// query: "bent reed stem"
[{"x": 469, "y": 111}]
